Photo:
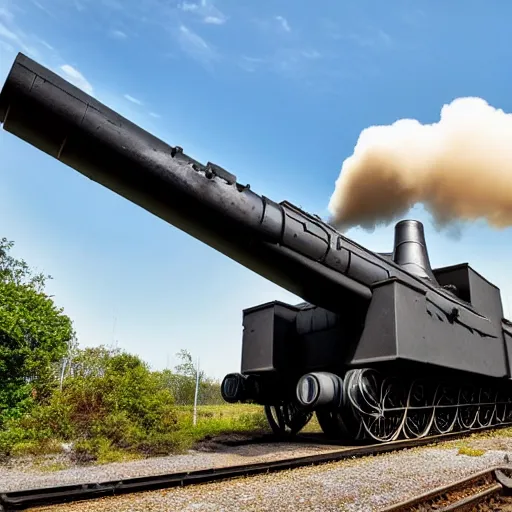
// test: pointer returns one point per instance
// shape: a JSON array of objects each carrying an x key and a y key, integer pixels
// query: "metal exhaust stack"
[{"x": 410, "y": 249}]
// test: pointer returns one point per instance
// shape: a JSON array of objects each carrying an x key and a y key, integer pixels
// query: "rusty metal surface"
[{"x": 489, "y": 483}]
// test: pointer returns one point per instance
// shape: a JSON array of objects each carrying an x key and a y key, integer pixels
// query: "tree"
[
  {"x": 17, "y": 271},
  {"x": 34, "y": 334},
  {"x": 183, "y": 383},
  {"x": 187, "y": 368}
]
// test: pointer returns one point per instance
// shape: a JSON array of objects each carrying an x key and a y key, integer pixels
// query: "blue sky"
[{"x": 277, "y": 93}]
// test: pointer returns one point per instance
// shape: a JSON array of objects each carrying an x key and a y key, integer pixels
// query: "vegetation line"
[{"x": 99, "y": 404}]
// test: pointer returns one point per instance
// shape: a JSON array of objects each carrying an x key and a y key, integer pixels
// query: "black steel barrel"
[{"x": 205, "y": 201}]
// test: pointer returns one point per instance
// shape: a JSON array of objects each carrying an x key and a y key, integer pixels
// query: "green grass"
[
  {"x": 52, "y": 466},
  {"x": 213, "y": 412},
  {"x": 235, "y": 418},
  {"x": 213, "y": 420}
]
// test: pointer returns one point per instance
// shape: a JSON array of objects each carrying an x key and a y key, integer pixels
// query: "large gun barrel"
[{"x": 278, "y": 241}]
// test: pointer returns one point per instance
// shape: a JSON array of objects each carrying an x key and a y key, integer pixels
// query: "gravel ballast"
[
  {"x": 23, "y": 474},
  {"x": 365, "y": 484}
]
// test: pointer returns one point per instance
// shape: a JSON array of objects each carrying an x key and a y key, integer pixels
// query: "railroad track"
[
  {"x": 486, "y": 490},
  {"x": 26, "y": 499}
]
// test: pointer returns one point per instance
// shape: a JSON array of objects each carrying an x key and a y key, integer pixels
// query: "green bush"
[
  {"x": 112, "y": 397},
  {"x": 41, "y": 447},
  {"x": 10, "y": 436},
  {"x": 110, "y": 405}
]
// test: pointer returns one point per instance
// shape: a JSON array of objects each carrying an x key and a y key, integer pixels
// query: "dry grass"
[{"x": 471, "y": 452}]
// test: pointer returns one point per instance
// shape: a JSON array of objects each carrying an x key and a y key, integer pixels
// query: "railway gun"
[{"x": 383, "y": 347}]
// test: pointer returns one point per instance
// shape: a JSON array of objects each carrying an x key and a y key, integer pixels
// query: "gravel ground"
[
  {"x": 23, "y": 474},
  {"x": 366, "y": 484}
]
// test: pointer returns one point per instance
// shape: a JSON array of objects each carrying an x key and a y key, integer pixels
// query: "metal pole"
[
  {"x": 62, "y": 372},
  {"x": 195, "y": 396}
]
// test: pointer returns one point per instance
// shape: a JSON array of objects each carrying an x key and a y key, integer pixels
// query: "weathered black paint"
[{"x": 364, "y": 308}]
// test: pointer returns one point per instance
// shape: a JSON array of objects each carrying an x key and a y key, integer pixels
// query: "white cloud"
[
  {"x": 284, "y": 23},
  {"x": 132, "y": 99},
  {"x": 6, "y": 14},
  {"x": 46, "y": 45},
  {"x": 192, "y": 39},
  {"x": 6, "y": 46},
  {"x": 153, "y": 114},
  {"x": 118, "y": 34},
  {"x": 195, "y": 46},
  {"x": 204, "y": 10},
  {"x": 76, "y": 78},
  {"x": 8, "y": 34},
  {"x": 16, "y": 36},
  {"x": 190, "y": 7},
  {"x": 42, "y": 7},
  {"x": 214, "y": 20}
]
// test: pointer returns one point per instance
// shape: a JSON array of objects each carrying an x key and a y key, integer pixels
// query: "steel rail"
[
  {"x": 24, "y": 499},
  {"x": 489, "y": 483}
]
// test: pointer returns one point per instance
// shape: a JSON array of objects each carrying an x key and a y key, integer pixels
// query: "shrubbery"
[
  {"x": 113, "y": 406},
  {"x": 107, "y": 405},
  {"x": 34, "y": 335}
]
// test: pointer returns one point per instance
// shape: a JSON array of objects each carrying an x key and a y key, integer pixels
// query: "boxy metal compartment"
[{"x": 268, "y": 329}]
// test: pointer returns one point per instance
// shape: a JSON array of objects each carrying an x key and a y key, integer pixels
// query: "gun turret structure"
[{"x": 384, "y": 346}]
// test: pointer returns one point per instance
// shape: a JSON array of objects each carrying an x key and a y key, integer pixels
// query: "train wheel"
[
  {"x": 468, "y": 407},
  {"x": 502, "y": 404},
  {"x": 508, "y": 410},
  {"x": 445, "y": 408},
  {"x": 420, "y": 413},
  {"x": 286, "y": 419},
  {"x": 379, "y": 404},
  {"x": 487, "y": 407}
]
